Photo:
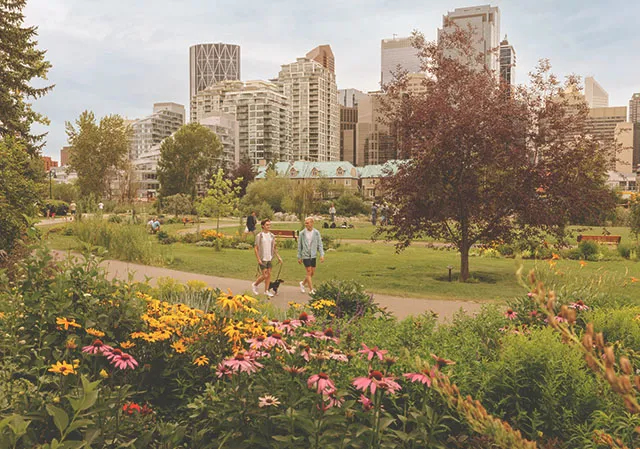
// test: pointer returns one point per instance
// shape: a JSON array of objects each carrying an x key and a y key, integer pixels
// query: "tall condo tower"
[
  {"x": 507, "y": 62},
  {"x": 397, "y": 53},
  {"x": 212, "y": 63},
  {"x": 594, "y": 94},
  {"x": 485, "y": 23}
]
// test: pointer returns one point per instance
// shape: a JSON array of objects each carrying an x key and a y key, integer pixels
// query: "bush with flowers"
[{"x": 88, "y": 362}]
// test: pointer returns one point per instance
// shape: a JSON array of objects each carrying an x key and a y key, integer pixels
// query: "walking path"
[{"x": 399, "y": 306}]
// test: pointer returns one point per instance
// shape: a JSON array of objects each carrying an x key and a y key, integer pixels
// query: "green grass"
[{"x": 416, "y": 272}]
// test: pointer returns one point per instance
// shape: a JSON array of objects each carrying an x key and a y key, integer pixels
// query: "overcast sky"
[{"x": 121, "y": 56}]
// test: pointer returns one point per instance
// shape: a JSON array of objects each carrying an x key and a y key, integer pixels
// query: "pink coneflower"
[
  {"x": 288, "y": 326},
  {"x": 558, "y": 318},
  {"x": 511, "y": 314},
  {"x": 423, "y": 377},
  {"x": 329, "y": 400},
  {"x": 322, "y": 382},
  {"x": 97, "y": 347},
  {"x": 367, "y": 404},
  {"x": 273, "y": 322},
  {"x": 268, "y": 401},
  {"x": 376, "y": 380},
  {"x": 338, "y": 356},
  {"x": 327, "y": 334},
  {"x": 258, "y": 343},
  {"x": 294, "y": 369},
  {"x": 122, "y": 360},
  {"x": 306, "y": 318},
  {"x": 222, "y": 371},
  {"x": 533, "y": 314},
  {"x": 242, "y": 362},
  {"x": 372, "y": 352},
  {"x": 579, "y": 305},
  {"x": 275, "y": 340},
  {"x": 307, "y": 353},
  {"x": 440, "y": 362}
]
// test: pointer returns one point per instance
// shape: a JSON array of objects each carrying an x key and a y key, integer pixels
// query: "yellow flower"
[
  {"x": 71, "y": 343},
  {"x": 228, "y": 302},
  {"x": 233, "y": 331},
  {"x": 201, "y": 361},
  {"x": 66, "y": 323},
  {"x": 104, "y": 374},
  {"x": 95, "y": 332},
  {"x": 63, "y": 368},
  {"x": 251, "y": 310},
  {"x": 76, "y": 363},
  {"x": 2, "y": 315},
  {"x": 127, "y": 345},
  {"x": 179, "y": 347},
  {"x": 295, "y": 305}
]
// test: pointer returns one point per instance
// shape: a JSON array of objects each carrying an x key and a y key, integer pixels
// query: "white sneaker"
[
  {"x": 302, "y": 287},
  {"x": 312, "y": 292},
  {"x": 269, "y": 294},
  {"x": 254, "y": 289}
]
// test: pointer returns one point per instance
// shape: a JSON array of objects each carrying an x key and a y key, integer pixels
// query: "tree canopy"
[
  {"x": 98, "y": 151},
  {"x": 188, "y": 157},
  {"x": 485, "y": 161}
]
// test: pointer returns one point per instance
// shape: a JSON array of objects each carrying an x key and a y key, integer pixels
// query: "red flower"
[{"x": 130, "y": 408}]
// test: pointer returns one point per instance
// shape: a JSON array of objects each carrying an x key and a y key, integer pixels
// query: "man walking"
[
  {"x": 309, "y": 245},
  {"x": 252, "y": 220},
  {"x": 265, "y": 249},
  {"x": 332, "y": 212}
]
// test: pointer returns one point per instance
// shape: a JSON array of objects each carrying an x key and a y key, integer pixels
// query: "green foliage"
[
  {"x": 189, "y": 156},
  {"x": 222, "y": 197},
  {"x": 634, "y": 216},
  {"x": 98, "y": 151},
  {"x": 21, "y": 187},
  {"x": 539, "y": 384},
  {"x": 618, "y": 325},
  {"x": 629, "y": 251},
  {"x": 349, "y": 296},
  {"x": 178, "y": 204},
  {"x": 122, "y": 241},
  {"x": 349, "y": 204},
  {"x": 21, "y": 63},
  {"x": 65, "y": 192},
  {"x": 272, "y": 190},
  {"x": 60, "y": 208}
]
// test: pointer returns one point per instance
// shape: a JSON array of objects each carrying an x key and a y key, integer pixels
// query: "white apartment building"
[
  {"x": 396, "y": 54},
  {"x": 315, "y": 114},
  {"x": 150, "y": 131},
  {"x": 225, "y": 126},
  {"x": 262, "y": 114},
  {"x": 485, "y": 23}
]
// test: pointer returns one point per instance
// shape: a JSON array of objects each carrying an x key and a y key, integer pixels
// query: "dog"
[{"x": 275, "y": 285}]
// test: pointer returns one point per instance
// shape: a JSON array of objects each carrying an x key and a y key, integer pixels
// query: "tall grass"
[{"x": 122, "y": 241}]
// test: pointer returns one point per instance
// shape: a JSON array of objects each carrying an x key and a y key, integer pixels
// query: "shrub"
[
  {"x": 59, "y": 207},
  {"x": 115, "y": 219},
  {"x": 349, "y": 299},
  {"x": 618, "y": 325},
  {"x": 165, "y": 238},
  {"x": 629, "y": 251},
  {"x": 189, "y": 237},
  {"x": 588, "y": 249},
  {"x": 349, "y": 204}
]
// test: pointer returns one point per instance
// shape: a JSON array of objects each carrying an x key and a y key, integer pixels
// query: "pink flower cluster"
[{"x": 116, "y": 357}]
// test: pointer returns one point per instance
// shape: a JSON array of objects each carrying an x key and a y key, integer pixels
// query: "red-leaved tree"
[{"x": 484, "y": 161}]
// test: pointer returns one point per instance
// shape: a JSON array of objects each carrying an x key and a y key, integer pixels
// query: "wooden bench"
[
  {"x": 608, "y": 239},
  {"x": 285, "y": 234}
]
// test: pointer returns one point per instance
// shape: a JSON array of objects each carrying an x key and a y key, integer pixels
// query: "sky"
[{"x": 121, "y": 56}]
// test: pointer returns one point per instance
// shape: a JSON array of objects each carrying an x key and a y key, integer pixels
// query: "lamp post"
[{"x": 50, "y": 184}]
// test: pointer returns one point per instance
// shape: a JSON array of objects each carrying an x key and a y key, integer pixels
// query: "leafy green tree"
[
  {"x": 634, "y": 215},
  {"x": 222, "y": 198},
  {"x": 191, "y": 155},
  {"x": 178, "y": 204},
  {"x": 98, "y": 151},
  {"x": 65, "y": 192},
  {"x": 20, "y": 190},
  {"x": 20, "y": 62},
  {"x": 243, "y": 170}
]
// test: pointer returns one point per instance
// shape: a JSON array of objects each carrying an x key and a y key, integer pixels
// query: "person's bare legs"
[
  {"x": 267, "y": 279},
  {"x": 307, "y": 280}
]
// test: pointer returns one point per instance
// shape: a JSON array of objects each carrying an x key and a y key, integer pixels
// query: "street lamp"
[{"x": 50, "y": 184}]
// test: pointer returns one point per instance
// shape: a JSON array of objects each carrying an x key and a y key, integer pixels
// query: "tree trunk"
[
  {"x": 218, "y": 223},
  {"x": 464, "y": 262}
]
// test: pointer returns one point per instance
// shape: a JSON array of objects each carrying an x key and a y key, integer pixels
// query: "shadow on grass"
[{"x": 478, "y": 277}]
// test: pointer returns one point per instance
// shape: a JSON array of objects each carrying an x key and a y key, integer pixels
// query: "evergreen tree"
[{"x": 20, "y": 62}]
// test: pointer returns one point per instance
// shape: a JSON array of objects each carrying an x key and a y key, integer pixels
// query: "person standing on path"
[
  {"x": 72, "y": 208},
  {"x": 265, "y": 249},
  {"x": 332, "y": 211},
  {"x": 252, "y": 220},
  {"x": 309, "y": 245},
  {"x": 374, "y": 214}
]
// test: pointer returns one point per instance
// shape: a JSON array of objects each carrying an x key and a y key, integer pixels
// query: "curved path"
[{"x": 401, "y": 307}]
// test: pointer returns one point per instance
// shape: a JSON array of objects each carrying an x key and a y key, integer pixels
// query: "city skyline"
[{"x": 127, "y": 56}]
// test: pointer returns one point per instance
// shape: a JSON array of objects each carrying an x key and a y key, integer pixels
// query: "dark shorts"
[
  {"x": 309, "y": 262},
  {"x": 266, "y": 264},
  {"x": 73, "y": 212}
]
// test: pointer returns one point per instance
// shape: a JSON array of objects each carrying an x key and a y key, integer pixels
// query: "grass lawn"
[{"x": 417, "y": 272}]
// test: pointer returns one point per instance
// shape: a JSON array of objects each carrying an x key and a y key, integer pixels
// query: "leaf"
[
  {"x": 79, "y": 423},
  {"x": 60, "y": 418},
  {"x": 386, "y": 422}
]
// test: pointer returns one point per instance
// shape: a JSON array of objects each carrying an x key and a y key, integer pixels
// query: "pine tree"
[{"x": 20, "y": 62}]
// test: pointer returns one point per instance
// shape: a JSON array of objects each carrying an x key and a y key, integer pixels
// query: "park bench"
[
  {"x": 285, "y": 234},
  {"x": 608, "y": 239}
]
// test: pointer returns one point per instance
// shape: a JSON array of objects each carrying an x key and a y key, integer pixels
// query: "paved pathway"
[{"x": 401, "y": 307}]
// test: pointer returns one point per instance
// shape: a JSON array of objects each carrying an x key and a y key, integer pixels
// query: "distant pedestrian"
[
  {"x": 155, "y": 226},
  {"x": 250, "y": 228},
  {"x": 332, "y": 212},
  {"x": 72, "y": 209},
  {"x": 309, "y": 245},
  {"x": 265, "y": 249},
  {"x": 374, "y": 214},
  {"x": 100, "y": 206}
]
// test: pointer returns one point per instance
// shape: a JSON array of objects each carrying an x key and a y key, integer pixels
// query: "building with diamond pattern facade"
[{"x": 210, "y": 64}]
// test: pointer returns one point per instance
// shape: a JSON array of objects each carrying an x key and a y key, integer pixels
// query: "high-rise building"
[
  {"x": 375, "y": 145},
  {"x": 315, "y": 115},
  {"x": 594, "y": 94},
  {"x": 212, "y": 63},
  {"x": 150, "y": 131},
  {"x": 49, "y": 163},
  {"x": 324, "y": 55},
  {"x": 64, "y": 156},
  {"x": 634, "y": 108},
  {"x": 507, "y": 62},
  {"x": 262, "y": 114},
  {"x": 627, "y": 136},
  {"x": 348, "y": 133},
  {"x": 485, "y": 23},
  {"x": 601, "y": 124},
  {"x": 397, "y": 54},
  {"x": 350, "y": 97},
  {"x": 225, "y": 126}
]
